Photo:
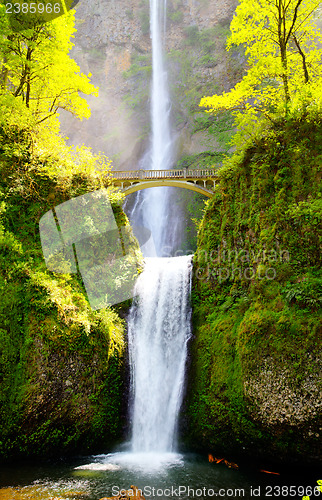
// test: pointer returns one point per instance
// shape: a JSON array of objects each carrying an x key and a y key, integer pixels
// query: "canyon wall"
[
  {"x": 254, "y": 381},
  {"x": 113, "y": 44}
]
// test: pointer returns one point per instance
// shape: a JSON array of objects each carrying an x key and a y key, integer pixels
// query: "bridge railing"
[{"x": 163, "y": 174}]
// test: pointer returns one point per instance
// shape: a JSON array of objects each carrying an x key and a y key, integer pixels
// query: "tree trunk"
[
  {"x": 28, "y": 57},
  {"x": 284, "y": 74},
  {"x": 306, "y": 73}
]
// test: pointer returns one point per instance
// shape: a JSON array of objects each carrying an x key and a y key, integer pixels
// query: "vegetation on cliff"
[
  {"x": 255, "y": 381},
  {"x": 61, "y": 363},
  {"x": 255, "y": 377}
]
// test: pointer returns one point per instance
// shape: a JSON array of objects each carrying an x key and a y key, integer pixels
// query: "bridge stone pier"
[{"x": 198, "y": 180}]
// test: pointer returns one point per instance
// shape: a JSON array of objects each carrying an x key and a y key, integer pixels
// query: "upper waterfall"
[
  {"x": 161, "y": 154},
  {"x": 155, "y": 214},
  {"x": 151, "y": 208}
]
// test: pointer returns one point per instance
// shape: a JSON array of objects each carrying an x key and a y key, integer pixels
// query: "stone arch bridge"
[{"x": 199, "y": 180}]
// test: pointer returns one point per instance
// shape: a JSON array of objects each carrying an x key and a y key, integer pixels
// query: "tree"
[
  {"x": 283, "y": 71},
  {"x": 38, "y": 73}
]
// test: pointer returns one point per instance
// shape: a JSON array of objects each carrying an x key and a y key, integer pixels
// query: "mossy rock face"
[
  {"x": 255, "y": 380},
  {"x": 62, "y": 371},
  {"x": 66, "y": 390}
]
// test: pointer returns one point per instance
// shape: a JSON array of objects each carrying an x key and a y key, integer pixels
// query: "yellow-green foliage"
[
  {"x": 61, "y": 364},
  {"x": 283, "y": 45},
  {"x": 38, "y": 77}
]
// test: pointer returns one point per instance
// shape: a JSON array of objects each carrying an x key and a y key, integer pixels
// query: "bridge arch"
[
  {"x": 138, "y": 186},
  {"x": 200, "y": 181}
]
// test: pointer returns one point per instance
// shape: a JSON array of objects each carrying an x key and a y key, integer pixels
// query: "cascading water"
[
  {"x": 155, "y": 214},
  {"x": 159, "y": 320},
  {"x": 151, "y": 208},
  {"x": 159, "y": 328}
]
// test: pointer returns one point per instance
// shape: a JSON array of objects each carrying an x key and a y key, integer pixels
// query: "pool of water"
[{"x": 161, "y": 477}]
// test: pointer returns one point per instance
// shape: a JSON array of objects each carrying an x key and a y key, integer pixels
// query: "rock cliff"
[
  {"x": 113, "y": 44},
  {"x": 255, "y": 378},
  {"x": 61, "y": 363}
]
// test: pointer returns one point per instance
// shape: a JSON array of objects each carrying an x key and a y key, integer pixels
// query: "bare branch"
[
  {"x": 306, "y": 73},
  {"x": 296, "y": 8}
]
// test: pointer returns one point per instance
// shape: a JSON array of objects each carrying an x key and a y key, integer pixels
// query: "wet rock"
[{"x": 288, "y": 400}]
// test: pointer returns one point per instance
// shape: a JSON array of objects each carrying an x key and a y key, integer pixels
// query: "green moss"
[
  {"x": 176, "y": 16},
  {"x": 257, "y": 295},
  {"x": 220, "y": 126},
  {"x": 61, "y": 364}
]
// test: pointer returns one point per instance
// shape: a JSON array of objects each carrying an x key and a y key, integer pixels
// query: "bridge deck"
[
  {"x": 142, "y": 175},
  {"x": 202, "y": 181}
]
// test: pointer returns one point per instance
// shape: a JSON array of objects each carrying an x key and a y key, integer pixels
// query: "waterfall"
[
  {"x": 151, "y": 208},
  {"x": 159, "y": 328},
  {"x": 159, "y": 319},
  {"x": 155, "y": 213}
]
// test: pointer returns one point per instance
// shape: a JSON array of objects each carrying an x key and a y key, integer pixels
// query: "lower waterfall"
[{"x": 158, "y": 331}]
